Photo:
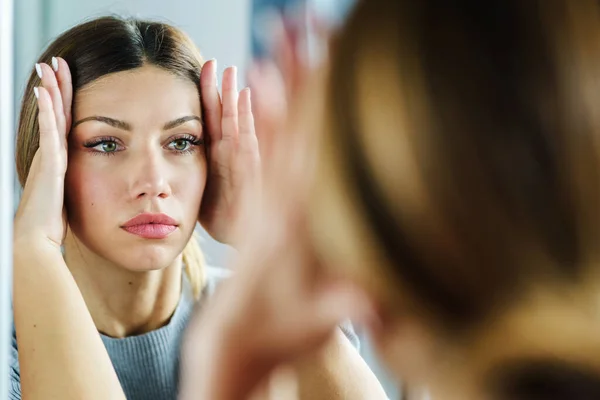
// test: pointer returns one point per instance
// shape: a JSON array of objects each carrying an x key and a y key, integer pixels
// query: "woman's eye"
[
  {"x": 180, "y": 144},
  {"x": 108, "y": 147}
]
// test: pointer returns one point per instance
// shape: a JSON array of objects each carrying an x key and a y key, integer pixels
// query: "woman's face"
[{"x": 136, "y": 148}]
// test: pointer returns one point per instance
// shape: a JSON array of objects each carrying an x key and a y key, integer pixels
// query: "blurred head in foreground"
[{"x": 459, "y": 183}]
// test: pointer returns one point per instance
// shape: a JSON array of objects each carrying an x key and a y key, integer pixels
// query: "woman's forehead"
[{"x": 143, "y": 92}]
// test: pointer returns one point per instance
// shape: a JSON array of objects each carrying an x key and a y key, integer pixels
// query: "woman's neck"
[{"x": 122, "y": 302}]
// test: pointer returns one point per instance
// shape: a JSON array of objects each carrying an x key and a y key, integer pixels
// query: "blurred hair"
[
  {"x": 545, "y": 379},
  {"x": 459, "y": 170},
  {"x": 104, "y": 46}
]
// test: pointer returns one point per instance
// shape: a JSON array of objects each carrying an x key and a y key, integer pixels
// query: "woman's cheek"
[
  {"x": 188, "y": 187},
  {"x": 190, "y": 177},
  {"x": 191, "y": 186},
  {"x": 88, "y": 192}
]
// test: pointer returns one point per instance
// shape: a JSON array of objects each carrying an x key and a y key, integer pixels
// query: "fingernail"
[
  {"x": 54, "y": 64},
  {"x": 38, "y": 69},
  {"x": 36, "y": 92}
]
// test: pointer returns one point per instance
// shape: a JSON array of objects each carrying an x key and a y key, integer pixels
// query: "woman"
[
  {"x": 118, "y": 166},
  {"x": 456, "y": 187}
]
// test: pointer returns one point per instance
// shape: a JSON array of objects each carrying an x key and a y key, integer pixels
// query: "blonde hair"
[
  {"x": 106, "y": 45},
  {"x": 194, "y": 262}
]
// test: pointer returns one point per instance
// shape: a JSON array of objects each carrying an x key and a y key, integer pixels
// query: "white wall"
[{"x": 219, "y": 28}]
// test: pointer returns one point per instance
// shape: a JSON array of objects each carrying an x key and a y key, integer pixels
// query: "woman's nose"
[{"x": 149, "y": 177}]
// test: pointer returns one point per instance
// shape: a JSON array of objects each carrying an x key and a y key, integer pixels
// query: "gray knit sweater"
[{"x": 148, "y": 365}]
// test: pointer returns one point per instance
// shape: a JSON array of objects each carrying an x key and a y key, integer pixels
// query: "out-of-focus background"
[{"x": 232, "y": 31}]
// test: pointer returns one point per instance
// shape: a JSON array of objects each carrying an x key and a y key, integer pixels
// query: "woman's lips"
[
  {"x": 151, "y": 231},
  {"x": 151, "y": 226}
]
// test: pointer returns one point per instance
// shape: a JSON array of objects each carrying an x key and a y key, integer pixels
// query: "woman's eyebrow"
[
  {"x": 106, "y": 120},
  {"x": 180, "y": 121},
  {"x": 127, "y": 127}
]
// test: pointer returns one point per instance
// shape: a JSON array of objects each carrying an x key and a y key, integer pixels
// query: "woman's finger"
[
  {"x": 50, "y": 144},
  {"x": 247, "y": 133},
  {"x": 63, "y": 76},
  {"x": 50, "y": 83},
  {"x": 248, "y": 147},
  {"x": 211, "y": 101},
  {"x": 229, "y": 121},
  {"x": 269, "y": 105},
  {"x": 288, "y": 57},
  {"x": 245, "y": 117}
]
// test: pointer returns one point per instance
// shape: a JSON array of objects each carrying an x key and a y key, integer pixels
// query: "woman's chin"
[
  {"x": 149, "y": 258},
  {"x": 128, "y": 252}
]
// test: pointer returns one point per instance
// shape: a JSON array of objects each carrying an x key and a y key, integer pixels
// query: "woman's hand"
[
  {"x": 233, "y": 156},
  {"x": 40, "y": 217},
  {"x": 237, "y": 159}
]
